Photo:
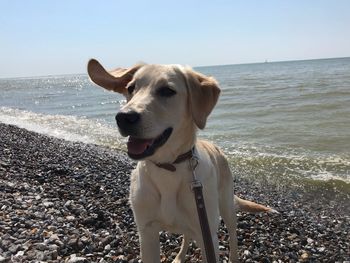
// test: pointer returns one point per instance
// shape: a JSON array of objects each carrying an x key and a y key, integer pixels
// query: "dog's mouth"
[{"x": 140, "y": 148}]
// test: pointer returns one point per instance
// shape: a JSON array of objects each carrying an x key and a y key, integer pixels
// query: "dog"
[{"x": 166, "y": 105}]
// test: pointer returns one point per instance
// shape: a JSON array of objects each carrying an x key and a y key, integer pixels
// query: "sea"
[{"x": 279, "y": 123}]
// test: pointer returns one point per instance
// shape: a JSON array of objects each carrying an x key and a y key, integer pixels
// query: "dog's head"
[{"x": 165, "y": 105}]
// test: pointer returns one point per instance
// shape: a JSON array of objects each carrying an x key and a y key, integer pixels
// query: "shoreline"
[{"x": 62, "y": 200}]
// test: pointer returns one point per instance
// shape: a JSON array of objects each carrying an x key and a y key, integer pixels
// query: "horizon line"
[
  {"x": 198, "y": 67},
  {"x": 272, "y": 61}
]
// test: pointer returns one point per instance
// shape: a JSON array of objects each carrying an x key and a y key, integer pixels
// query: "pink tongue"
[{"x": 138, "y": 146}]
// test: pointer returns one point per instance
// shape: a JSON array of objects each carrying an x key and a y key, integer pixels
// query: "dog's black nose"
[{"x": 127, "y": 119}]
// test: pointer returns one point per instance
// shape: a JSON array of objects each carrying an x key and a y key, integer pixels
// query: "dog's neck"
[{"x": 181, "y": 158}]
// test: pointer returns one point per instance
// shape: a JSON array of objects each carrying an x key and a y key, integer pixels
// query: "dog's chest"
[{"x": 161, "y": 196}]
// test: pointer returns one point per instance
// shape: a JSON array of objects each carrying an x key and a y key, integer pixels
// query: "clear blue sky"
[{"x": 57, "y": 37}]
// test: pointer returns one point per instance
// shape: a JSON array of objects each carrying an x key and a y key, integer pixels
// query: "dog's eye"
[
  {"x": 131, "y": 89},
  {"x": 166, "y": 92}
]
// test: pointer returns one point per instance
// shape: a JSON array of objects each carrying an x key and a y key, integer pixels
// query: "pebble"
[
  {"x": 107, "y": 248},
  {"x": 14, "y": 248},
  {"x": 41, "y": 246},
  {"x": 74, "y": 259},
  {"x": 53, "y": 237},
  {"x": 310, "y": 240},
  {"x": 304, "y": 256},
  {"x": 70, "y": 218},
  {"x": 48, "y": 204},
  {"x": 321, "y": 249}
]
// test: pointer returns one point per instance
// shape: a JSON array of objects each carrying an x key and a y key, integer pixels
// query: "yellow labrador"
[{"x": 166, "y": 104}]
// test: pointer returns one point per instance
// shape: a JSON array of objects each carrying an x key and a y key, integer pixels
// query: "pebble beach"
[{"x": 63, "y": 201}]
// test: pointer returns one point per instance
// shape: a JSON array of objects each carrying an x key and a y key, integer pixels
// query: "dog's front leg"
[
  {"x": 150, "y": 247},
  {"x": 180, "y": 258},
  {"x": 202, "y": 247}
]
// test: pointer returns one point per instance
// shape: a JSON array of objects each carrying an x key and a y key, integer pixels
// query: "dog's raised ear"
[
  {"x": 115, "y": 80},
  {"x": 203, "y": 94}
]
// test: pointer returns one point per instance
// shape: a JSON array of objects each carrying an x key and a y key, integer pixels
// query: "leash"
[{"x": 197, "y": 187}]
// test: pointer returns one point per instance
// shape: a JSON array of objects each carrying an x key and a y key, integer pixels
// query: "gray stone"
[
  {"x": 48, "y": 204},
  {"x": 20, "y": 253},
  {"x": 14, "y": 248},
  {"x": 54, "y": 237},
  {"x": 70, "y": 218},
  {"x": 107, "y": 247},
  {"x": 40, "y": 256},
  {"x": 54, "y": 254},
  {"x": 53, "y": 247},
  {"x": 74, "y": 259},
  {"x": 41, "y": 246}
]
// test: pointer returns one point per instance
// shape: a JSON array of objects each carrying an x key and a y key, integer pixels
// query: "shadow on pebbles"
[{"x": 68, "y": 202}]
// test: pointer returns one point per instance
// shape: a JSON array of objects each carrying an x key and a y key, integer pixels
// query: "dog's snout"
[{"x": 127, "y": 119}]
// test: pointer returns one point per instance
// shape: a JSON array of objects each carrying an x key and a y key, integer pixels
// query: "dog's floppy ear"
[
  {"x": 115, "y": 80},
  {"x": 203, "y": 94}
]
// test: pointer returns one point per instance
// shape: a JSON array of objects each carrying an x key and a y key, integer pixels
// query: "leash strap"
[{"x": 197, "y": 189}]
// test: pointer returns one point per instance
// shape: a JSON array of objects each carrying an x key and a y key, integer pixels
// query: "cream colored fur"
[{"x": 161, "y": 199}]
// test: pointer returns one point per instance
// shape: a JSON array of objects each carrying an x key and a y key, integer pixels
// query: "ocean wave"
[
  {"x": 66, "y": 127},
  {"x": 287, "y": 166},
  {"x": 267, "y": 163}
]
